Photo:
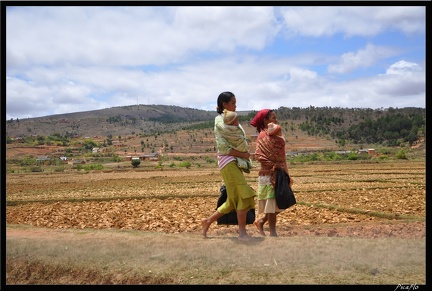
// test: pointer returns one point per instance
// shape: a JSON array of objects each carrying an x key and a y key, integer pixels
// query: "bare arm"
[{"x": 243, "y": 155}]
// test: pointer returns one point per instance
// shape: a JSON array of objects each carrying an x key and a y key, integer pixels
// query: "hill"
[
  {"x": 143, "y": 129},
  {"x": 157, "y": 119},
  {"x": 115, "y": 121}
]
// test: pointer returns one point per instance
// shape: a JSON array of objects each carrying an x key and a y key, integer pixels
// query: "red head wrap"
[{"x": 258, "y": 120}]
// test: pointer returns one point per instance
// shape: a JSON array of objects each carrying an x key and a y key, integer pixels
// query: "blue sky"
[{"x": 63, "y": 59}]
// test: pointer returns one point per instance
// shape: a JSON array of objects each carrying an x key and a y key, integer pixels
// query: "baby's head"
[
  {"x": 230, "y": 117},
  {"x": 274, "y": 129}
]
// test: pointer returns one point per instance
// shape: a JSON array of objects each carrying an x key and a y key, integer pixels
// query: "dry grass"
[
  {"x": 135, "y": 257},
  {"x": 355, "y": 223}
]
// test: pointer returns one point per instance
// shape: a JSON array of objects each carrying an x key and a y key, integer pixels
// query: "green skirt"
[{"x": 240, "y": 194}]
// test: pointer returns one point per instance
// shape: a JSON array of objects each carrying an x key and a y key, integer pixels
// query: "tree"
[{"x": 135, "y": 162}]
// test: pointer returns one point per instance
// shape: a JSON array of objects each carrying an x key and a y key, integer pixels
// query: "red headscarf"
[{"x": 258, "y": 120}]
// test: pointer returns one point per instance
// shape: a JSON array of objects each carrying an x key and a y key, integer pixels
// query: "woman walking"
[
  {"x": 270, "y": 152},
  {"x": 240, "y": 194}
]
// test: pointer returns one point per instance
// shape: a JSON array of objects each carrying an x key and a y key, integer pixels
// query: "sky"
[{"x": 64, "y": 59}]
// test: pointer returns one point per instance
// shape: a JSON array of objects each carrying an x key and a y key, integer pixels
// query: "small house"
[
  {"x": 154, "y": 156},
  {"x": 150, "y": 157},
  {"x": 43, "y": 160}
]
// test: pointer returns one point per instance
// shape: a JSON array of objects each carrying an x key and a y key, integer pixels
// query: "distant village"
[{"x": 46, "y": 160}]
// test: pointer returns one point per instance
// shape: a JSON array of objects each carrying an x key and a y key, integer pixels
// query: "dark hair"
[
  {"x": 223, "y": 97},
  {"x": 268, "y": 114}
]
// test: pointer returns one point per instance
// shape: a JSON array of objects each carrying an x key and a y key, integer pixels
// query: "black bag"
[
  {"x": 283, "y": 193},
  {"x": 231, "y": 218}
]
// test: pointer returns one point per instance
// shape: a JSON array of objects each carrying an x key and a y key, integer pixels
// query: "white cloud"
[
  {"x": 68, "y": 59},
  {"x": 404, "y": 68},
  {"x": 352, "y": 20},
  {"x": 363, "y": 58}
]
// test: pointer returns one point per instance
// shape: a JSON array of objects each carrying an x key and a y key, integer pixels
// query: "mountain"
[{"x": 124, "y": 120}]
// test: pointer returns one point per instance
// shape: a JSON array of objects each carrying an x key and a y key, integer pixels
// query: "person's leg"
[
  {"x": 265, "y": 219},
  {"x": 206, "y": 222},
  {"x": 259, "y": 223},
  {"x": 241, "y": 218},
  {"x": 272, "y": 223}
]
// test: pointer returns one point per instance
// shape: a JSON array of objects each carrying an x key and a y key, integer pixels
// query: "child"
[
  {"x": 230, "y": 118},
  {"x": 274, "y": 129},
  {"x": 237, "y": 137},
  {"x": 270, "y": 152}
]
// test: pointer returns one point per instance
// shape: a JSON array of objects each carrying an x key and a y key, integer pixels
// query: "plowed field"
[{"x": 365, "y": 199}]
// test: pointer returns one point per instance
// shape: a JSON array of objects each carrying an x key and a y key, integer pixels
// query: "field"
[{"x": 357, "y": 222}]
